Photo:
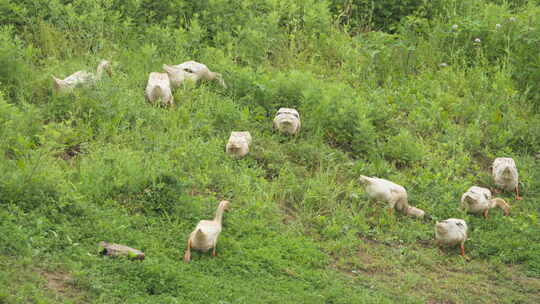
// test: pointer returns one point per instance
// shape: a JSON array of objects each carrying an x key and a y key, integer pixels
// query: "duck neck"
[
  {"x": 100, "y": 70},
  {"x": 219, "y": 213},
  {"x": 499, "y": 202},
  {"x": 209, "y": 75}
]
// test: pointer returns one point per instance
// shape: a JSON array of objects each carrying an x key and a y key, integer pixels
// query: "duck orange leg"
[
  {"x": 486, "y": 213},
  {"x": 462, "y": 247},
  {"x": 187, "y": 255},
  {"x": 517, "y": 193},
  {"x": 214, "y": 249}
]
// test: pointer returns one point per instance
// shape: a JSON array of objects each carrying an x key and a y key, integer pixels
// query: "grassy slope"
[{"x": 301, "y": 230}]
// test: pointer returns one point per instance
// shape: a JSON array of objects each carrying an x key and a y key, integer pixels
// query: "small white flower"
[
  {"x": 477, "y": 40},
  {"x": 443, "y": 65},
  {"x": 454, "y": 27},
  {"x": 512, "y": 19},
  {"x": 497, "y": 26}
]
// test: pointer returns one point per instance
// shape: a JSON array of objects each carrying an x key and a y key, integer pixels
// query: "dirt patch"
[
  {"x": 484, "y": 161},
  {"x": 270, "y": 173},
  {"x": 416, "y": 269},
  {"x": 70, "y": 152},
  {"x": 289, "y": 214},
  {"x": 9, "y": 154},
  {"x": 372, "y": 241},
  {"x": 59, "y": 282},
  {"x": 369, "y": 264}
]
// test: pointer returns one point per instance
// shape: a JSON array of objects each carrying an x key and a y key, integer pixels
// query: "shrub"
[
  {"x": 33, "y": 185},
  {"x": 342, "y": 118},
  {"x": 15, "y": 73},
  {"x": 367, "y": 14},
  {"x": 404, "y": 149}
]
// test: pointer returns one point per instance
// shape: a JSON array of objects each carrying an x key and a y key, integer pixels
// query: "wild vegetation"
[{"x": 423, "y": 93}]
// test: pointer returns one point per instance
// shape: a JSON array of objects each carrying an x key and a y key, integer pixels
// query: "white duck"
[
  {"x": 238, "y": 144},
  {"x": 287, "y": 121},
  {"x": 158, "y": 87},
  {"x": 206, "y": 233},
  {"x": 478, "y": 200},
  {"x": 451, "y": 232},
  {"x": 505, "y": 174},
  {"x": 177, "y": 76},
  {"x": 395, "y": 195},
  {"x": 192, "y": 70},
  {"x": 82, "y": 78}
]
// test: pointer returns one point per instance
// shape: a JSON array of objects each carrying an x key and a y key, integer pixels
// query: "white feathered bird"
[
  {"x": 395, "y": 195},
  {"x": 206, "y": 233},
  {"x": 287, "y": 121},
  {"x": 191, "y": 70},
  {"x": 158, "y": 87},
  {"x": 478, "y": 200},
  {"x": 452, "y": 232},
  {"x": 238, "y": 144},
  {"x": 505, "y": 174},
  {"x": 82, "y": 78}
]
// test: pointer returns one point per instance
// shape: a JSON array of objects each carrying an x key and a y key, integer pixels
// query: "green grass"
[{"x": 101, "y": 164}]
